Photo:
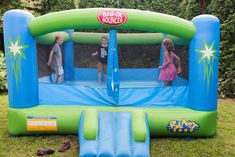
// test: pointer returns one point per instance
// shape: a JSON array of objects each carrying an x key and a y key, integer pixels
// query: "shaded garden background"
[{"x": 187, "y": 9}]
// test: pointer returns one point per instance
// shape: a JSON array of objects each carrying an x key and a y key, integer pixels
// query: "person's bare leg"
[
  {"x": 58, "y": 80},
  {"x": 165, "y": 83},
  {"x": 104, "y": 66},
  {"x": 99, "y": 77},
  {"x": 170, "y": 83},
  {"x": 105, "y": 78}
]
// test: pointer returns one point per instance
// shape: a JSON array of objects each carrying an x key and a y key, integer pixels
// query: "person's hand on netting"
[
  {"x": 94, "y": 54},
  {"x": 48, "y": 63}
]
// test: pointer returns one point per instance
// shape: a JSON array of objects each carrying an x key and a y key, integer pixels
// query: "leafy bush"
[
  {"x": 224, "y": 10},
  {"x": 227, "y": 61},
  {"x": 3, "y": 76}
]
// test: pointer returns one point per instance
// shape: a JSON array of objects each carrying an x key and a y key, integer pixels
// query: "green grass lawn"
[{"x": 223, "y": 144}]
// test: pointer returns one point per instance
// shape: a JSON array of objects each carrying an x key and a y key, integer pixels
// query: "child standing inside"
[
  {"x": 102, "y": 58},
  {"x": 168, "y": 71},
  {"x": 57, "y": 59}
]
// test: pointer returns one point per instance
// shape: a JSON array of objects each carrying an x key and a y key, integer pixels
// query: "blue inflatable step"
[
  {"x": 123, "y": 135},
  {"x": 114, "y": 137},
  {"x": 106, "y": 137}
]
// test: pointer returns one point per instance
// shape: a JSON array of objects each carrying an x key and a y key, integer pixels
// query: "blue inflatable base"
[{"x": 131, "y": 94}]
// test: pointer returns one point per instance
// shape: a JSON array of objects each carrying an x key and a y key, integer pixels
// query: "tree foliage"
[
  {"x": 3, "y": 76},
  {"x": 189, "y": 9},
  {"x": 6, "y": 5},
  {"x": 41, "y": 7},
  {"x": 224, "y": 9},
  {"x": 56, "y": 5}
]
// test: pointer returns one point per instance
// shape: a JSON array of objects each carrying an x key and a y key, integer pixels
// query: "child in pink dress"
[{"x": 168, "y": 71}]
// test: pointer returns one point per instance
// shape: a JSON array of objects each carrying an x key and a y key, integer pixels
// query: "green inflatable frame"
[
  {"x": 68, "y": 120},
  {"x": 122, "y": 38},
  {"x": 84, "y": 18}
]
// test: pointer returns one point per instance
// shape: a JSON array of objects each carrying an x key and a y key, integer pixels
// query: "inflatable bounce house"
[{"x": 119, "y": 117}]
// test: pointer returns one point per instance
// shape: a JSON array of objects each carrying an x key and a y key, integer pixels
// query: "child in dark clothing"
[{"x": 102, "y": 53}]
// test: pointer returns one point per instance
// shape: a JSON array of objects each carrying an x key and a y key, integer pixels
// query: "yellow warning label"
[{"x": 37, "y": 123}]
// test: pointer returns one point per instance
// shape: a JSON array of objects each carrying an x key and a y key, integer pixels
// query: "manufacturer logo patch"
[
  {"x": 112, "y": 17},
  {"x": 184, "y": 126}
]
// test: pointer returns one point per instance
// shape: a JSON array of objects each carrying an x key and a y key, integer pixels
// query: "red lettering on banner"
[{"x": 112, "y": 17}]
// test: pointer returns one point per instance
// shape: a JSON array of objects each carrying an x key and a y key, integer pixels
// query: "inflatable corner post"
[
  {"x": 117, "y": 119},
  {"x": 21, "y": 61},
  {"x": 203, "y": 60}
]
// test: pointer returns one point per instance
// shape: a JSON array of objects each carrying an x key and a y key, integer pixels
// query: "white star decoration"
[
  {"x": 15, "y": 48},
  {"x": 16, "y": 54},
  {"x": 207, "y": 57},
  {"x": 208, "y": 52}
]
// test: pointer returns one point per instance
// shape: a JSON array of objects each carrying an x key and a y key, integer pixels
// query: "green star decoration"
[
  {"x": 16, "y": 54},
  {"x": 208, "y": 57}
]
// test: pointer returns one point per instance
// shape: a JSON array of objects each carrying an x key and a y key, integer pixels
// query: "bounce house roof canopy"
[{"x": 111, "y": 18}]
